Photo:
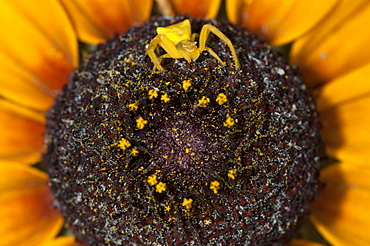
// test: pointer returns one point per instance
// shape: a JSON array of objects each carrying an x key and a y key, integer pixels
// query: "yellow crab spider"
[{"x": 178, "y": 41}]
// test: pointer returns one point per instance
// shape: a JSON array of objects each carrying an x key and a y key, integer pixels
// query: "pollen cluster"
[{"x": 201, "y": 153}]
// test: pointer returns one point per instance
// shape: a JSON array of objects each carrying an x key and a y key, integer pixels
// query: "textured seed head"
[{"x": 198, "y": 154}]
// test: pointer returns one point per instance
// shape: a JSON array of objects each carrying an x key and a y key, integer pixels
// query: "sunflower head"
[{"x": 200, "y": 152}]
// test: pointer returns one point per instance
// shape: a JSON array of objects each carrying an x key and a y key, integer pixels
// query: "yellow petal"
[
  {"x": 203, "y": 9},
  {"x": 345, "y": 115},
  {"x": 27, "y": 217},
  {"x": 38, "y": 49},
  {"x": 21, "y": 132},
  {"x": 344, "y": 89},
  {"x": 278, "y": 22},
  {"x": 341, "y": 213},
  {"x": 97, "y": 21},
  {"x": 296, "y": 242},
  {"x": 337, "y": 46},
  {"x": 60, "y": 241}
]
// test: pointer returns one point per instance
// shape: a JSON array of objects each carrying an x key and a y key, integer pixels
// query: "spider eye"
[{"x": 188, "y": 45}]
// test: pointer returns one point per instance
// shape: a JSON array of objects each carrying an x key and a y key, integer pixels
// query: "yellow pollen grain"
[
  {"x": 133, "y": 106},
  {"x": 221, "y": 98},
  {"x": 165, "y": 98},
  {"x": 187, "y": 150},
  {"x": 160, "y": 187},
  {"x": 140, "y": 123},
  {"x": 153, "y": 94},
  {"x": 124, "y": 144},
  {"x": 186, "y": 84},
  {"x": 203, "y": 102},
  {"x": 207, "y": 222},
  {"x": 229, "y": 122},
  {"x": 187, "y": 203},
  {"x": 152, "y": 179},
  {"x": 231, "y": 174},
  {"x": 215, "y": 186}
]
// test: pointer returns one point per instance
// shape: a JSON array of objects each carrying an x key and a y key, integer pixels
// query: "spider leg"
[
  {"x": 163, "y": 56},
  {"x": 164, "y": 42},
  {"x": 160, "y": 60},
  {"x": 151, "y": 53},
  {"x": 210, "y": 51},
  {"x": 169, "y": 47},
  {"x": 206, "y": 29},
  {"x": 194, "y": 36}
]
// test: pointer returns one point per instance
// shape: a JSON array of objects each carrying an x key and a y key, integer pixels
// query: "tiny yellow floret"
[
  {"x": 160, "y": 187},
  {"x": 231, "y": 174},
  {"x": 124, "y": 144},
  {"x": 165, "y": 98},
  {"x": 186, "y": 84},
  {"x": 221, "y": 98},
  {"x": 152, "y": 179},
  {"x": 140, "y": 122},
  {"x": 133, "y": 106},
  {"x": 167, "y": 208},
  {"x": 215, "y": 186},
  {"x": 187, "y": 203},
  {"x": 203, "y": 102},
  {"x": 153, "y": 93},
  {"x": 134, "y": 151},
  {"x": 229, "y": 122}
]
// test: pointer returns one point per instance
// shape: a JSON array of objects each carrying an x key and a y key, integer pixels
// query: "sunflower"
[{"x": 41, "y": 46}]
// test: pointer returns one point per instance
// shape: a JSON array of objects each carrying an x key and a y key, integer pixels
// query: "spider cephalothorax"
[{"x": 178, "y": 41}]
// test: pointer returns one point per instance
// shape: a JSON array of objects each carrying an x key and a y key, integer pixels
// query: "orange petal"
[
  {"x": 341, "y": 213},
  {"x": 296, "y": 242},
  {"x": 97, "y": 21},
  {"x": 27, "y": 217},
  {"x": 278, "y": 21},
  {"x": 337, "y": 46},
  {"x": 60, "y": 241},
  {"x": 38, "y": 50},
  {"x": 344, "y": 89},
  {"x": 21, "y": 132},
  {"x": 203, "y": 9},
  {"x": 345, "y": 115}
]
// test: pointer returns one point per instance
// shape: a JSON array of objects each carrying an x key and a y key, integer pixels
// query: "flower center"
[
  {"x": 186, "y": 149},
  {"x": 201, "y": 153}
]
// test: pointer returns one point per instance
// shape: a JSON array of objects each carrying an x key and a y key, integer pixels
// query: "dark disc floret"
[{"x": 201, "y": 153}]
